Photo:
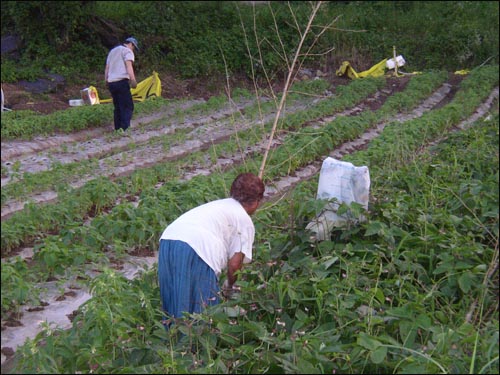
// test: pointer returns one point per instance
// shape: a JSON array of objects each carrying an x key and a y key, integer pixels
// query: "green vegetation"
[
  {"x": 410, "y": 290},
  {"x": 203, "y": 38},
  {"x": 414, "y": 289}
]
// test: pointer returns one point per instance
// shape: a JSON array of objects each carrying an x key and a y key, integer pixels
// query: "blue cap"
[{"x": 133, "y": 41}]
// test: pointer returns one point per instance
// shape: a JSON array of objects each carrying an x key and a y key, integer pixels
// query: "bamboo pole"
[{"x": 395, "y": 61}]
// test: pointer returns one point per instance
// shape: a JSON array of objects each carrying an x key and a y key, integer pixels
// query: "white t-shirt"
[
  {"x": 216, "y": 231},
  {"x": 117, "y": 70}
]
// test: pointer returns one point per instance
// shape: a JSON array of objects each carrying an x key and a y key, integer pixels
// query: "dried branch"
[{"x": 287, "y": 85}]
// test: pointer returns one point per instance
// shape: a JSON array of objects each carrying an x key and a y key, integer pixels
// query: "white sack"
[{"x": 345, "y": 182}]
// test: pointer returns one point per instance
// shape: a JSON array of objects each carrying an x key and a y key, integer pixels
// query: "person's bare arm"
[
  {"x": 234, "y": 265},
  {"x": 130, "y": 71}
]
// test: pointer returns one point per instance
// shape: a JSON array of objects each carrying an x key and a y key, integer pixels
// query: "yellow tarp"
[
  {"x": 145, "y": 89},
  {"x": 376, "y": 70}
]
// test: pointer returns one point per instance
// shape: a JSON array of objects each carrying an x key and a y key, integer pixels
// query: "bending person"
[{"x": 196, "y": 247}]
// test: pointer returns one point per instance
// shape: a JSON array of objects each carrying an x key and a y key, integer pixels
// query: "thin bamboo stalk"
[{"x": 287, "y": 86}]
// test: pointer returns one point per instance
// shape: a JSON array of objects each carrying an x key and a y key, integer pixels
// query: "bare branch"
[
  {"x": 297, "y": 27},
  {"x": 285, "y": 57},
  {"x": 261, "y": 60},
  {"x": 287, "y": 85},
  {"x": 319, "y": 54}
]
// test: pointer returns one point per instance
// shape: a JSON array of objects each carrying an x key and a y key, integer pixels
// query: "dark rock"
[
  {"x": 44, "y": 85},
  {"x": 7, "y": 351},
  {"x": 10, "y": 43}
]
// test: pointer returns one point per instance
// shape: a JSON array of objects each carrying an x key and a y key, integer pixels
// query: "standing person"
[
  {"x": 197, "y": 246},
  {"x": 120, "y": 77}
]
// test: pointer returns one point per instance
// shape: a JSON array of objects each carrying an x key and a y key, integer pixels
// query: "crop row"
[
  {"x": 97, "y": 195},
  {"x": 167, "y": 128},
  {"x": 126, "y": 228},
  {"x": 404, "y": 292}
]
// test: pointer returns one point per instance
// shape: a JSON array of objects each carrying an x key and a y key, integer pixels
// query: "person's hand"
[
  {"x": 133, "y": 83},
  {"x": 229, "y": 292}
]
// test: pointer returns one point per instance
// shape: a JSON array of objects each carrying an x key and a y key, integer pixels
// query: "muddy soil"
[
  {"x": 16, "y": 96},
  {"x": 202, "y": 132}
]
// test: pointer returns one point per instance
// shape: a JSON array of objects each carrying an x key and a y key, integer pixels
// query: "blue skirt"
[{"x": 187, "y": 283}]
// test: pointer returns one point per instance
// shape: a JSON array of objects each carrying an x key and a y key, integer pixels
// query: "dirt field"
[
  {"x": 18, "y": 98},
  {"x": 37, "y": 155}
]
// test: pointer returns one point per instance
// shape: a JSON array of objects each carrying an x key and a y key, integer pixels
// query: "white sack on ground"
[{"x": 346, "y": 183}]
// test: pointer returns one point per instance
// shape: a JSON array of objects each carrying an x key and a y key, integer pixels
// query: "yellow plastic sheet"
[
  {"x": 150, "y": 87},
  {"x": 376, "y": 70},
  {"x": 147, "y": 88}
]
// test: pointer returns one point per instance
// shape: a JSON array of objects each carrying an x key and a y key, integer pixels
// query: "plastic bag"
[
  {"x": 339, "y": 182},
  {"x": 89, "y": 95}
]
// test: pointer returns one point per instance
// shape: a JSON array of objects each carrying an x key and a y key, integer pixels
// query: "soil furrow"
[
  {"x": 64, "y": 150},
  {"x": 207, "y": 130},
  {"x": 67, "y": 149},
  {"x": 17, "y": 148},
  {"x": 58, "y": 311},
  {"x": 202, "y": 137}
]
